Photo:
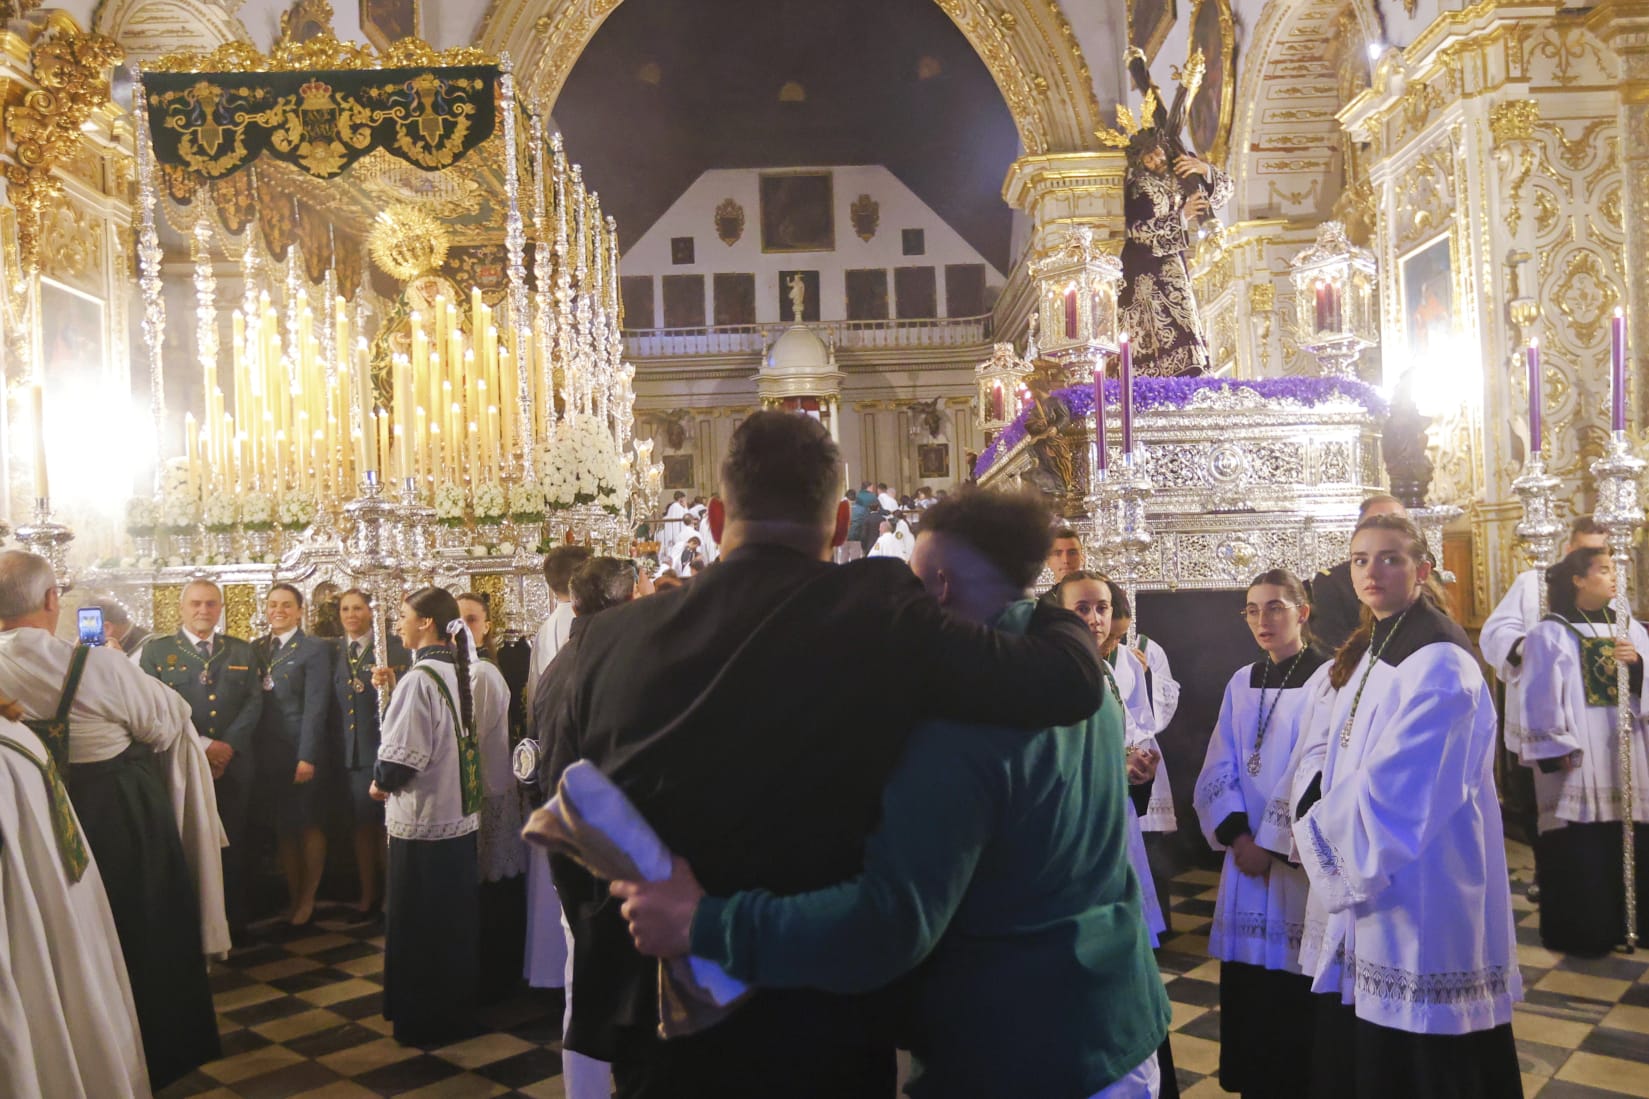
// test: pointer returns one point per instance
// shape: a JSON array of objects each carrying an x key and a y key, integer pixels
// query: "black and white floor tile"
[{"x": 300, "y": 1017}]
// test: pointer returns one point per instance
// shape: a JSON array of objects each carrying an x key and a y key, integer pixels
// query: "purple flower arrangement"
[{"x": 1155, "y": 393}]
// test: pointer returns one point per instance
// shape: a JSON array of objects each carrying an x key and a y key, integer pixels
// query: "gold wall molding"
[
  {"x": 70, "y": 73},
  {"x": 1029, "y": 47}
]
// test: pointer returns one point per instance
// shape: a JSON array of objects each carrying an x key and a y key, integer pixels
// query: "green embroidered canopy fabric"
[{"x": 214, "y": 124}]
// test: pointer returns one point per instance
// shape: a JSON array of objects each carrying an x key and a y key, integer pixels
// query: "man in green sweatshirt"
[{"x": 1000, "y": 865}]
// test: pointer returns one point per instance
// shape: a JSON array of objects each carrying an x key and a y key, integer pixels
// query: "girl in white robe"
[
  {"x": 429, "y": 771},
  {"x": 1409, "y": 933},
  {"x": 1130, "y": 688},
  {"x": 1565, "y": 728},
  {"x": 1152, "y": 709},
  {"x": 1265, "y": 1002}
]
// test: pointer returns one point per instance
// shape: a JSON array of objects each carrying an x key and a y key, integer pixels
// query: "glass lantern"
[
  {"x": 999, "y": 381},
  {"x": 1077, "y": 305},
  {"x": 1335, "y": 297}
]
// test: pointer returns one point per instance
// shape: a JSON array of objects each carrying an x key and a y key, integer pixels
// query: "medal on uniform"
[
  {"x": 206, "y": 677},
  {"x": 360, "y": 688},
  {"x": 268, "y": 682}
]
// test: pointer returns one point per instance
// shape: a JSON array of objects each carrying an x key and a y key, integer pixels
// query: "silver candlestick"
[
  {"x": 372, "y": 544},
  {"x": 1104, "y": 540},
  {"x": 48, "y": 539},
  {"x": 1133, "y": 529},
  {"x": 1539, "y": 532},
  {"x": 1617, "y": 475},
  {"x": 416, "y": 536}
]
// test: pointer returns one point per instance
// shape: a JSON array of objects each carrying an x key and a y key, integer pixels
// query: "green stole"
[{"x": 469, "y": 753}]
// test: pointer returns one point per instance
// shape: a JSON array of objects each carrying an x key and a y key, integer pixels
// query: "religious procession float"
[{"x": 425, "y": 359}]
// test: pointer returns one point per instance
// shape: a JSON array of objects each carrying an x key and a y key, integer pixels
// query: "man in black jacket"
[
  {"x": 1335, "y": 610},
  {"x": 718, "y": 709}
]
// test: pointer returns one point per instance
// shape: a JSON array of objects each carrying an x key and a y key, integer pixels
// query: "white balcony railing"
[{"x": 736, "y": 339}]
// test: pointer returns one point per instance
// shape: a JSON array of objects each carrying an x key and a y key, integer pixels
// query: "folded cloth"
[{"x": 591, "y": 821}]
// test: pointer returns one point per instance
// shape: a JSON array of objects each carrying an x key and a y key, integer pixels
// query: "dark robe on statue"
[{"x": 1158, "y": 309}]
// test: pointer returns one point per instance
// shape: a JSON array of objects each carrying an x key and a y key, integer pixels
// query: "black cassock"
[{"x": 1158, "y": 309}]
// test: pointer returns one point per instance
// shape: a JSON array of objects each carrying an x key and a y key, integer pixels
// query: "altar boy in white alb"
[
  {"x": 1409, "y": 930},
  {"x": 1566, "y": 728},
  {"x": 1501, "y": 639}
]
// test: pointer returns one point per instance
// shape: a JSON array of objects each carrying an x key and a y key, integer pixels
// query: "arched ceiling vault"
[{"x": 1029, "y": 47}]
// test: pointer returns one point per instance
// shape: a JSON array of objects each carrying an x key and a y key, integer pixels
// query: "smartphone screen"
[{"x": 91, "y": 625}]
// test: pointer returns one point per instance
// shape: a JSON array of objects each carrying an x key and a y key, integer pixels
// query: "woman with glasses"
[
  {"x": 1565, "y": 730},
  {"x": 1242, "y": 803},
  {"x": 1409, "y": 937}
]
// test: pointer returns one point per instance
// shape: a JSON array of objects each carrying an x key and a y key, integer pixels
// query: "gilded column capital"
[{"x": 1060, "y": 190}]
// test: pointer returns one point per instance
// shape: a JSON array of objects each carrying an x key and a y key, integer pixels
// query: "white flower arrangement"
[
  {"x": 449, "y": 504},
  {"x": 257, "y": 512},
  {"x": 582, "y": 466},
  {"x": 142, "y": 517},
  {"x": 174, "y": 479},
  {"x": 296, "y": 512},
  {"x": 177, "y": 513},
  {"x": 219, "y": 513},
  {"x": 491, "y": 505},
  {"x": 527, "y": 502}
]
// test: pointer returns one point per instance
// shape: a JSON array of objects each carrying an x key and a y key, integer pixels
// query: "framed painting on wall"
[
  {"x": 933, "y": 460},
  {"x": 1428, "y": 299},
  {"x": 1209, "y": 117},
  {"x": 385, "y": 22},
  {"x": 678, "y": 471},
  {"x": 798, "y": 212}
]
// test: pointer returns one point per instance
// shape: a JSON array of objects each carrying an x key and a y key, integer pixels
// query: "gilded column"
[{"x": 1624, "y": 26}]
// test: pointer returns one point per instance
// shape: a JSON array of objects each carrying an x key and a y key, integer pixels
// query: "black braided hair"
[{"x": 439, "y": 606}]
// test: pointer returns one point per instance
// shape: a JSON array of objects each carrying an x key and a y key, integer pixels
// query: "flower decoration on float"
[
  {"x": 296, "y": 512},
  {"x": 582, "y": 466},
  {"x": 257, "y": 512},
  {"x": 490, "y": 503},
  {"x": 449, "y": 504},
  {"x": 219, "y": 514},
  {"x": 527, "y": 502},
  {"x": 142, "y": 517}
]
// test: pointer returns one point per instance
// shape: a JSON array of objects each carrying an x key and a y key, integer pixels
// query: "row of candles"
[
  {"x": 1617, "y": 383},
  {"x": 294, "y": 427}
]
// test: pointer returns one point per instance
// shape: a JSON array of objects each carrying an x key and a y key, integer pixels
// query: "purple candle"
[
  {"x": 1617, "y": 370},
  {"x": 1127, "y": 387},
  {"x": 1102, "y": 456},
  {"x": 1535, "y": 396}
]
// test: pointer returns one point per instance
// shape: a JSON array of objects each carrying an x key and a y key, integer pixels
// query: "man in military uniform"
[
  {"x": 221, "y": 679},
  {"x": 1335, "y": 610}
]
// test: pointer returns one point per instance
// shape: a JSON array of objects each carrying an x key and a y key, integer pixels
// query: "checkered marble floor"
[{"x": 301, "y": 1018}]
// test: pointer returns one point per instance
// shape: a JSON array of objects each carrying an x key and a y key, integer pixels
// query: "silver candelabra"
[
  {"x": 1539, "y": 532},
  {"x": 1619, "y": 512},
  {"x": 1133, "y": 529},
  {"x": 41, "y": 535}
]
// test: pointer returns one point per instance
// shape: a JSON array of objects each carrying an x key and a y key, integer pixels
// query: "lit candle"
[
  {"x": 475, "y": 452},
  {"x": 364, "y": 458},
  {"x": 240, "y": 464},
  {"x": 492, "y": 438},
  {"x": 1617, "y": 370},
  {"x": 402, "y": 449},
  {"x": 280, "y": 461},
  {"x": 1127, "y": 388},
  {"x": 37, "y": 398},
  {"x": 1535, "y": 395},
  {"x": 510, "y": 384},
  {"x": 1102, "y": 457},
  {"x": 191, "y": 448}
]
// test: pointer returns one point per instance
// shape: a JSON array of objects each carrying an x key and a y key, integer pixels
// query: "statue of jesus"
[{"x": 798, "y": 296}]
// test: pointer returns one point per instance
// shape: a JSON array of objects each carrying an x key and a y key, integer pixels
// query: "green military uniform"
[{"x": 225, "y": 696}]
